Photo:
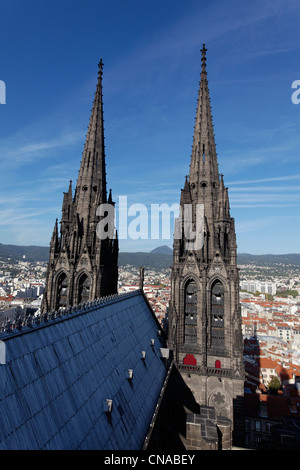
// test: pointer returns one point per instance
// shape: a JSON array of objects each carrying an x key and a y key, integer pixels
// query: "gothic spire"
[
  {"x": 83, "y": 261},
  {"x": 204, "y": 163},
  {"x": 91, "y": 183},
  {"x": 67, "y": 203},
  {"x": 54, "y": 243},
  {"x": 204, "y": 319}
]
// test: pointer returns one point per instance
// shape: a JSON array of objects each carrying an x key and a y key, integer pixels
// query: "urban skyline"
[{"x": 151, "y": 55}]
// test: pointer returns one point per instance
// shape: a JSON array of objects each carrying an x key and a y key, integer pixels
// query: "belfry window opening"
[
  {"x": 217, "y": 316},
  {"x": 62, "y": 291},
  {"x": 83, "y": 289},
  {"x": 190, "y": 312}
]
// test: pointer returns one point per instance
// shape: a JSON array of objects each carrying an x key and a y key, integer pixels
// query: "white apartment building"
[{"x": 265, "y": 287}]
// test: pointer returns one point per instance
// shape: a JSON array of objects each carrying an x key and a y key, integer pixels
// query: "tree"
[
  {"x": 274, "y": 385},
  {"x": 288, "y": 292}
]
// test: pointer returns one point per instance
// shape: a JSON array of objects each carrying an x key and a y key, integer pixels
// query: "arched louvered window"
[
  {"x": 83, "y": 288},
  {"x": 190, "y": 313},
  {"x": 62, "y": 291},
  {"x": 217, "y": 316}
]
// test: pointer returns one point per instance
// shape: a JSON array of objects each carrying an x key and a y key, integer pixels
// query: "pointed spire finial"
[
  {"x": 203, "y": 59},
  {"x": 70, "y": 191},
  {"x": 100, "y": 65},
  {"x": 54, "y": 239},
  {"x": 186, "y": 184}
]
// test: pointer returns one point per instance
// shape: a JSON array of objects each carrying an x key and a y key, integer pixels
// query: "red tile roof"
[{"x": 277, "y": 406}]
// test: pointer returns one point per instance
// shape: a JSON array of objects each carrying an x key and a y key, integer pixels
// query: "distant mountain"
[
  {"x": 165, "y": 250},
  {"x": 148, "y": 260},
  {"x": 155, "y": 260},
  {"x": 268, "y": 260},
  {"x": 159, "y": 258},
  {"x": 26, "y": 253}
]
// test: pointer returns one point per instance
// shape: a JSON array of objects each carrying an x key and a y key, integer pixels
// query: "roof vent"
[
  {"x": 129, "y": 374},
  {"x": 164, "y": 352},
  {"x": 143, "y": 355},
  {"x": 107, "y": 405}
]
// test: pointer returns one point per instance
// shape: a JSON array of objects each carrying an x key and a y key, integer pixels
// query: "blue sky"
[{"x": 151, "y": 54}]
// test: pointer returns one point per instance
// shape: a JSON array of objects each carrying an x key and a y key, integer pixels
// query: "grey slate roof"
[{"x": 58, "y": 375}]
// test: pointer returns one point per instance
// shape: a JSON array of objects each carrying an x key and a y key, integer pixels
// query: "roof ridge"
[{"x": 32, "y": 323}]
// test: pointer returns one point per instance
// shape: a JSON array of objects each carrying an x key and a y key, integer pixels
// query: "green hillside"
[{"x": 159, "y": 258}]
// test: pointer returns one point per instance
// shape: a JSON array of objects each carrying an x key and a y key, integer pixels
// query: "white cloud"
[
  {"x": 266, "y": 180},
  {"x": 25, "y": 152}
]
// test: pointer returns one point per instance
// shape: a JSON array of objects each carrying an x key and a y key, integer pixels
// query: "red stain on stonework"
[{"x": 190, "y": 360}]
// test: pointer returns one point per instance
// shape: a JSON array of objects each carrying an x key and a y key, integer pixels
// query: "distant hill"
[
  {"x": 31, "y": 253},
  {"x": 269, "y": 260},
  {"x": 165, "y": 250},
  {"x": 148, "y": 260},
  {"x": 156, "y": 259},
  {"x": 159, "y": 258}
]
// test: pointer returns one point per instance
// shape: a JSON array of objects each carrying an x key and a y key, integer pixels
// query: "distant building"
[
  {"x": 258, "y": 286},
  {"x": 272, "y": 422}
]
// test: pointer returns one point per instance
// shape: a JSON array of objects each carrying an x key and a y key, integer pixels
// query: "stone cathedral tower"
[
  {"x": 82, "y": 266},
  {"x": 205, "y": 319}
]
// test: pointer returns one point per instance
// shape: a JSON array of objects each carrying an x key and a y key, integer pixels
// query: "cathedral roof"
[{"x": 65, "y": 381}]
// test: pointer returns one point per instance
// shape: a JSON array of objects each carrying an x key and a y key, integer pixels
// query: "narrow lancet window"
[
  {"x": 217, "y": 316},
  {"x": 190, "y": 310},
  {"x": 62, "y": 291},
  {"x": 83, "y": 289}
]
